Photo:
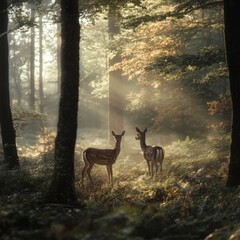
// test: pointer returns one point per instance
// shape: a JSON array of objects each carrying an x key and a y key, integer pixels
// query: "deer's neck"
[
  {"x": 143, "y": 144},
  {"x": 117, "y": 148}
]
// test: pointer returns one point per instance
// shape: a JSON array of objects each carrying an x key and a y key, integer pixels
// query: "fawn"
[
  {"x": 102, "y": 157},
  {"x": 154, "y": 155}
]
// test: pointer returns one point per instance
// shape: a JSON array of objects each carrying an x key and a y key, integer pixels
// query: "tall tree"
[
  {"x": 32, "y": 64},
  {"x": 7, "y": 129},
  {"x": 41, "y": 95},
  {"x": 232, "y": 41},
  {"x": 14, "y": 70},
  {"x": 62, "y": 188}
]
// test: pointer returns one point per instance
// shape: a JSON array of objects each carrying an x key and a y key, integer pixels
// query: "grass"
[{"x": 189, "y": 200}]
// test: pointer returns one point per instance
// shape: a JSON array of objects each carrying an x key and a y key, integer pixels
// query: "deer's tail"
[
  {"x": 84, "y": 154},
  {"x": 160, "y": 154}
]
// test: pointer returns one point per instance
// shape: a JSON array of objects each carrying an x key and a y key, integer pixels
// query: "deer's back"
[
  {"x": 100, "y": 156},
  {"x": 155, "y": 152}
]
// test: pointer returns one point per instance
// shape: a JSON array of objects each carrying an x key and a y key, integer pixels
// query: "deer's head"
[
  {"x": 117, "y": 137},
  {"x": 140, "y": 134}
]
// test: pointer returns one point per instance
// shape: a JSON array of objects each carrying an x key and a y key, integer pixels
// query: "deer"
[
  {"x": 154, "y": 155},
  {"x": 106, "y": 157}
]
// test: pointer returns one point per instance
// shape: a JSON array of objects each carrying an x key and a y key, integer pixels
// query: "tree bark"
[
  {"x": 7, "y": 129},
  {"x": 62, "y": 189},
  {"x": 232, "y": 41}
]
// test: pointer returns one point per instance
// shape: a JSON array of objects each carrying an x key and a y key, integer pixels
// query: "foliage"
[
  {"x": 24, "y": 117},
  {"x": 203, "y": 58},
  {"x": 179, "y": 10},
  {"x": 45, "y": 143},
  {"x": 176, "y": 68},
  {"x": 189, "y": 201},
  {"x": 222, "y": 108},
  {"x": 90, "y": 9},
  {"x": 166, "y": 38}
]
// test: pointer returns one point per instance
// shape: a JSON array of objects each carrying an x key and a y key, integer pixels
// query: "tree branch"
[{"x": 179, "y": 12}]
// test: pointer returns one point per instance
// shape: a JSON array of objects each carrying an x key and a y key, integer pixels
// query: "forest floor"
[{"x": 188, "y": 201}]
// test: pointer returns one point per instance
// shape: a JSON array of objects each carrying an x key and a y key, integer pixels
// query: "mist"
[{"x": 171, "y": 100}]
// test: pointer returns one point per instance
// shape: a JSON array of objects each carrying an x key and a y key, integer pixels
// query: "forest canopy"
[{"x": 175, "y": 46}]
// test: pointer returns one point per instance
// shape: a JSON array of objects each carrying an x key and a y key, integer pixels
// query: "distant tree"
[
  {"x": 62, "y": 189},
  {"x": 90, "y": 9},
  {"x": 32, "y": 64},
  {"x": 232, "y": 40},
  {"x": 41, "y": 93},
  {"x": 58, "y": 57},
  {"x": 7, "y": 129},
  {"x": 115, "y": 120},
  {"x": 15, "y": 70}
]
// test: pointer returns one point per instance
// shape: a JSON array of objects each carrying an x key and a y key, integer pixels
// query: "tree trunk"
[
  {"x": 58, "y": 57},
  {"x": 116, "y": 86},
  {"x": 15, "y": 74},
  {"x": 62, "y": 189},
  {"x": 41, "y": 96},
  {"x": 232, "y": 41},
  {"x": 32, "y": 66},
  {"x": 7, "y": 129}
]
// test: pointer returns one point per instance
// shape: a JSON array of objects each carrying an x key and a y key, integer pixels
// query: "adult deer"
[
  {"x": 153, "y": 154},
  {"x": 106, "y": 157}
]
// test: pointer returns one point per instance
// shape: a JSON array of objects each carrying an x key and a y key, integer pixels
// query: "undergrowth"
[{"x": 189, "y": 200}]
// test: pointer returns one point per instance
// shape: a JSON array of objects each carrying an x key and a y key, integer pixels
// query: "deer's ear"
[
  {"x": 123, "y": 133},
  {"x": 145, "y": 130},
  {"x": 113, "y": 133},
  {"x": 138, "y": 130}
]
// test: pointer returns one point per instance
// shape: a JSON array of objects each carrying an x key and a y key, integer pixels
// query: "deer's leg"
[
  {"x": 161, "y": 165},
  {"x": 84, "y": 172},
  {"x": 148, "y": 163},
  {"x": 89, "y": 171},
  {"x": 85, "y": 166},
  {"x": 109, "y": 173},
  {"x": 152, "y": 164},
  {"x": 157, "y": 159},
  {"x": 156, "y": 166},
  {"x": 161, "y": 161}
]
